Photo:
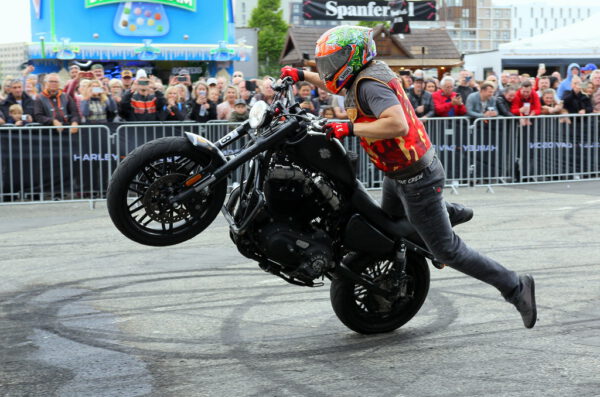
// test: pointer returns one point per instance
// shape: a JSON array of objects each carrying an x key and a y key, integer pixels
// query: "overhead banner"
[{"x": 347, "y": 10}]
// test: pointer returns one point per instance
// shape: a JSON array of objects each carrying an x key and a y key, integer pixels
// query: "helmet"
[{"x": 341, "y": 53}]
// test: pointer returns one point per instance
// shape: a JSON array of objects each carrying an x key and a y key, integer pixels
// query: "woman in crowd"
[
  {"x": 31, "y": 89},
  {"x": 595, "y": 81},
  {"x": 431, "y": 86},
  {"x": 225, "y": 108},
  {"x": 115, "y": 89},
  {"x": 174, "y": 110},
  {"x": 549, "y": 104},
  {"x": 96, "y": 106},
  {"x": 202, "y": 108},
  {"x": 504, "y": 101}
]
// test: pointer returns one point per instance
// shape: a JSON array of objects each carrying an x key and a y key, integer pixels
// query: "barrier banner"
[{"x": 47, "y": 165}]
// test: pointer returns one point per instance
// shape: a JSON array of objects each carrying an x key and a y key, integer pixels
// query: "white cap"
[
  {"x": 211, "y": 81},
  {"x": 140, "y": 74}
]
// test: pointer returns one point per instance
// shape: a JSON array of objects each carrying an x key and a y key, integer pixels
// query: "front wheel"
[
  {"x": 140, "y": 188},
  {"x": 368, "y": 313}
]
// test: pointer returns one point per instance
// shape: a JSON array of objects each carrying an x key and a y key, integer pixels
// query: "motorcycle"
[{"x": 297, "y": 209}]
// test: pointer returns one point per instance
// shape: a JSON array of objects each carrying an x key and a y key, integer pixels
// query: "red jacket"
[
  {"x": 443, "y": 106},
  {"x": 534, "y": 100}
]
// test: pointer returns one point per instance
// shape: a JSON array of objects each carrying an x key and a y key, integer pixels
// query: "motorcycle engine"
[
  {"x": 303, "y": 256},
  {"x": 299, "y": 207}
]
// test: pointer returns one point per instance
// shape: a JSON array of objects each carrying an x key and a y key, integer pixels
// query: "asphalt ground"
[{"x": 86, "y": 312}]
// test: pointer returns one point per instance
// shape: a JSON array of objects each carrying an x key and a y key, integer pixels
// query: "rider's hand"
[
  {"x": 338, "y": 130},
  {"x": 294, "y": 73}
]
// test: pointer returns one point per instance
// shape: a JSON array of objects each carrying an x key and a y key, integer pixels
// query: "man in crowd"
[
  {"x": 565, "y": 85},
  {"x": 142, "y": 102},
  {"x": 514, "y": 80},
  {"x": 465, "y": 85},
  {"x": 304, "y": 97},
  {"x": 587, "y": 70},
  {"x": 483, "y": 103},
  {"x": 446, "y": 102},
  {"x": 420, "y": 99},
  {"x": 575, "y": 101},
  {"x": 98, "y": 71},
  {"x": 504, "y": 78},
  {"x": 504, "y": 101},
  {"x": 526, "y": 103},
  {"x": 54, "y": 107},
  {"x": 323, "y": 99},
  {"x": 127, "y": 79},
  {"x": 595, "y": 81},
  {"x": 17, "y": 96}
]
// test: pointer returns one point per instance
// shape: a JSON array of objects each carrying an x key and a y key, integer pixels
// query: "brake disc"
[{"x": 156, "y": 200}]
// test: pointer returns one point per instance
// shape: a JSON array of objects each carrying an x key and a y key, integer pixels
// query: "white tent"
[{"x": 579, "y": 40}]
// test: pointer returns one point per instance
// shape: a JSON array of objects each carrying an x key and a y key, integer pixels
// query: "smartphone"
[
  {"x": 404, "y": 73},
  {"x": 468, "y": 78},
  {"x": 97, "y": 90},
  {"x": 143, "y": 82},
  {"x": 542, "y": 66},
  {"x": 24, "y": 117},
  {"x": 201, "y": 93},
  {"x": 182, "y": 79}
]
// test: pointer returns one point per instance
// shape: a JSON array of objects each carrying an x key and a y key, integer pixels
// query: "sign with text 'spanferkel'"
[{"x": 347, "y": 10}]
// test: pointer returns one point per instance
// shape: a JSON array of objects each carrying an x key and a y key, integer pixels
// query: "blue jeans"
[{"x": 424, "y": 206}]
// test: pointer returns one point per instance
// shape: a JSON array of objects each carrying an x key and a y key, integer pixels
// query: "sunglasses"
[{"x": 237, "y": 75}]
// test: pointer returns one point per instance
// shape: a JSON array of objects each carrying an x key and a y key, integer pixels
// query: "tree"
[{"x": 267, "y": 17}]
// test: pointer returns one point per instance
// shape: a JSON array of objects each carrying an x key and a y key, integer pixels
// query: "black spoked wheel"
[
  {"x": 368, "y": 313},
  {"x": 139, "y": 192}
]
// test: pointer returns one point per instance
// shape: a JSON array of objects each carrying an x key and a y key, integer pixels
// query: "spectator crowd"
[{"x": 90, "y": 97}]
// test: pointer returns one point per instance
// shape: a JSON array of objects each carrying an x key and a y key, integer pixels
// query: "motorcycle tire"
[
  {"x": 142, "y": 170},
  {"x": 357, "y": 307}
]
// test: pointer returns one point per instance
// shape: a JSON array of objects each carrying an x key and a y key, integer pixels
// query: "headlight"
[{"x": 258, "y": 113}]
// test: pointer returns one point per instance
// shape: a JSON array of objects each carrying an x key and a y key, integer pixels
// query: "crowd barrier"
[{"x": 40, "y": 164}]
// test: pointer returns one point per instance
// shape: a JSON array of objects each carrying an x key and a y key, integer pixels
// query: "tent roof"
[{"x": 577, "y": 39}]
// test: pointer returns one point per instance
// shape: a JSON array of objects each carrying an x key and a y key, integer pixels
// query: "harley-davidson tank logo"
[{"x": 324, "y": 153}]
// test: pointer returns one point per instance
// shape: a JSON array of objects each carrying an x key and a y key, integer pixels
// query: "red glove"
[
  {"x": 294, "y": 73},
  {"x": 338, "y": 130}
]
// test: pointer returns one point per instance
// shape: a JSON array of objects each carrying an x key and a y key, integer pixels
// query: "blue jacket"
[{"x": 566, "y": 84}]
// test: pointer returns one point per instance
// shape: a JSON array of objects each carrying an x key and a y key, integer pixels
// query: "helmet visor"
[{"x": 329, "y": 65}]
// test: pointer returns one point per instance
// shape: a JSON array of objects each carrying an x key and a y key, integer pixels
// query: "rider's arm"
[
  {"x": 391, "y": 123},
  {"x": 314, "y": 79}
]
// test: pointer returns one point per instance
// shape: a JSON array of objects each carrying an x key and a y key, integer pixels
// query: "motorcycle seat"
[{"x": 372, "y": 211}]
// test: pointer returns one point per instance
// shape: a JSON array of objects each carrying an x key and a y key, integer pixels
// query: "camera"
[
  {"x": 144, "y": 82},
  {"x": 181, "y": 79},
  {"x": 97, "y": 90}
]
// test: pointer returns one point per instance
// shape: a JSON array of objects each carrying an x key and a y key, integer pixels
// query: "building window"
[
  {"x": 589, "y": 12},
  {"x": 552, "y": 12},
  {"x": 570, "y": 14},
  {"x": 465, "y": 12},
  {"x": 579, "y": 13},
  {"x": 530, "y": 32},
  {"x": 561, "y": 12},
  {"x": 531, "y": 12}
]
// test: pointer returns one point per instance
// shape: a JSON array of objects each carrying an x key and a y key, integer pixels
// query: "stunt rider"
[{"x": 396, "y": 141}]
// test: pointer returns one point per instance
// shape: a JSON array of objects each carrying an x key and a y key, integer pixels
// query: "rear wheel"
[
  {"x": 140, "y": 188},
  {"x": 368, "y": 313}
]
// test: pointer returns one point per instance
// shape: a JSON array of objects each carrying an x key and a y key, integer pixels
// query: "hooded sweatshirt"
[{"x": 566, "y": 84}]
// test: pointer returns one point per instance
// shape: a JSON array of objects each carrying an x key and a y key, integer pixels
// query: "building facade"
[
  {"x": 533, "y": 18},
  {"x": 12, "y": 56},
  {"x": 475, "y": 25}
]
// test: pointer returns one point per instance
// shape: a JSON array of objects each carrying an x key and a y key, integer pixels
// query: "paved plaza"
[{"x": 86, "y": 312}]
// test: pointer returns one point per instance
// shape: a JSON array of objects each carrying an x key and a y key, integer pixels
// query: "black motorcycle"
[{"x": 297, "y": 209}]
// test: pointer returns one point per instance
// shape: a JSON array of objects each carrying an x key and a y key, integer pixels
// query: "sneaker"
[{"x": 525, "y": 302}]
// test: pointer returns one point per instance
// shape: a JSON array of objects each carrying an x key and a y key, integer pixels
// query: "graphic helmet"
[{"x": 341, "y": 53}]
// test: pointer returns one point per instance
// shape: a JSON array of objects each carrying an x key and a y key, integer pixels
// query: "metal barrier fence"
[
  {"x": 39, "y": 164},
  {"x": 42, "y": 164},
  {"x": 535, "y": 149}
]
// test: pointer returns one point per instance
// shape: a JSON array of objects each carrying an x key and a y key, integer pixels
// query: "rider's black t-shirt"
[{"x": 375, "y": 97}]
